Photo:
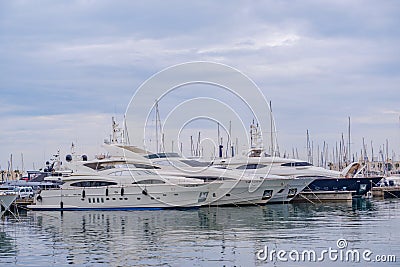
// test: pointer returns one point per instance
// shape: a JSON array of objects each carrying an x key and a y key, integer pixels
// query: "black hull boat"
[{"x": 358, "y": 186}]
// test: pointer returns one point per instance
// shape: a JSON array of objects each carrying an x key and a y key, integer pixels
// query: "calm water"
[{"x": 228, "y": 236}]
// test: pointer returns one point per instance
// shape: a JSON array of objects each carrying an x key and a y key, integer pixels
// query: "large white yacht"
[
  {"x": 238, "y": 187},
  {"x": 307, "y": 176},
  {"x": 267, "y": 167},
  {"x": 123, "y": 188}
]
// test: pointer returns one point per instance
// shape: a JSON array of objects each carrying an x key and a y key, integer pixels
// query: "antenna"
[{"x": 126, "y": 137}]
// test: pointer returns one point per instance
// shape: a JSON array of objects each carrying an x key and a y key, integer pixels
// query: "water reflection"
[
  {"x": 7, "y": 246},
  {"x": 212, "y": 236}
]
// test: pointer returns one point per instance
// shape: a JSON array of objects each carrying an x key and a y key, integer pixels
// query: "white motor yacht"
[
  {"x": 123, "y": 189},
  {"x": 237, "y": 187}
]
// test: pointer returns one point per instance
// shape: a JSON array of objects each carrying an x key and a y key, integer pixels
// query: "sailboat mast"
[
  {"x": 156, "y": 106},
  {"x": 349, "y": 142},
  {"x": 272, "y": 136}
]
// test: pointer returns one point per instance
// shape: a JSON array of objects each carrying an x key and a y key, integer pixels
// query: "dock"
[
  {"x": 386, "y": 192},
  {"x": 323, "y": 196}
]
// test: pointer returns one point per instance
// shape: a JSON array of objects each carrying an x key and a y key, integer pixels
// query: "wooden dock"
[
  {"x": 386, "y": 192},
  {"x": 323, "y": 196}
]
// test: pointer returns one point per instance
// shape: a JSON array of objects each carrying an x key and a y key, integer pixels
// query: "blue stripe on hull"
[{"x": 110, "y": 209}]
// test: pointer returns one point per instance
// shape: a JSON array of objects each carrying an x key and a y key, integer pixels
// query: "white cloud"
[
  {"x": 39, "y": 137},
  {"x": 318, "y": 63}
]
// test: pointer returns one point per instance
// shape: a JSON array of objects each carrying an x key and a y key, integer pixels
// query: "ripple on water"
[{"x": 206, "y": 237}]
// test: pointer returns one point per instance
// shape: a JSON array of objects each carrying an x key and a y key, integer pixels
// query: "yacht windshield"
[
  {"x": 296, "y": 164},
  {"x": 162, "y": 155},
  {"x": 251, "y": 166}
]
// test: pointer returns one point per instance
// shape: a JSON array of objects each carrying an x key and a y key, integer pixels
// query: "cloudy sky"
[{"x": 67, "y": 67}]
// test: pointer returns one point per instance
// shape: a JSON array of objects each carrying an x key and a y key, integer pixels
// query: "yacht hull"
[
  {"x": 123, "y": 198},
  {"x": 290, "y": 191},
  {"x": 248, "y": 192},
  {"x": 359, "y": 186}
]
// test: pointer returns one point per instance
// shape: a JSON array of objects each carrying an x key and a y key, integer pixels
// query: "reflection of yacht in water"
[
  {"x": 256, "y": 160},
  {"x": 123, "y": 188}
]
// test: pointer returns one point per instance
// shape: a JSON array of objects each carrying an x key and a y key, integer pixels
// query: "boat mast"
[
  {"x": 156, "y": 126},
  {"x": 349, "y": 155},
  {"x": 272, "y": 136}
]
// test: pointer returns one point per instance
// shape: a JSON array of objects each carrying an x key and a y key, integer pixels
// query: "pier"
[
  {"x": 386, "y": 192},
  {"x": 323, "y": 196}
]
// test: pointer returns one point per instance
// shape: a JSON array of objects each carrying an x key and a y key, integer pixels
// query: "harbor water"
[{"x": 209, "y": 236}]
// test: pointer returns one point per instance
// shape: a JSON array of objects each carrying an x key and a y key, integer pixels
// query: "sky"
[{"x": 67, "y": 67}]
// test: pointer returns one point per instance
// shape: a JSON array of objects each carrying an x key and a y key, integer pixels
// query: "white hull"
[
  {"x": 294, "y": 187},
  {"x": 126, "y": 197},
  {"x": 247, "y": 192}
]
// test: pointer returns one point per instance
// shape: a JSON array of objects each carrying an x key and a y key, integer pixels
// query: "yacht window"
[
  {"x": 162, "y": 155},
  {"x": 98, "y": 166},
  {"x": 195, "y": 163},
  {"x": 210, "y": 178},
  {"x": 93, "y": 183},
  {"x": 150, "y": 181},
  {"x": 145, "y": 166},
  {"x": 255, "y": 153},
  {"x": 251, "y": 166},
  {"x": 296, "y": 164}
]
